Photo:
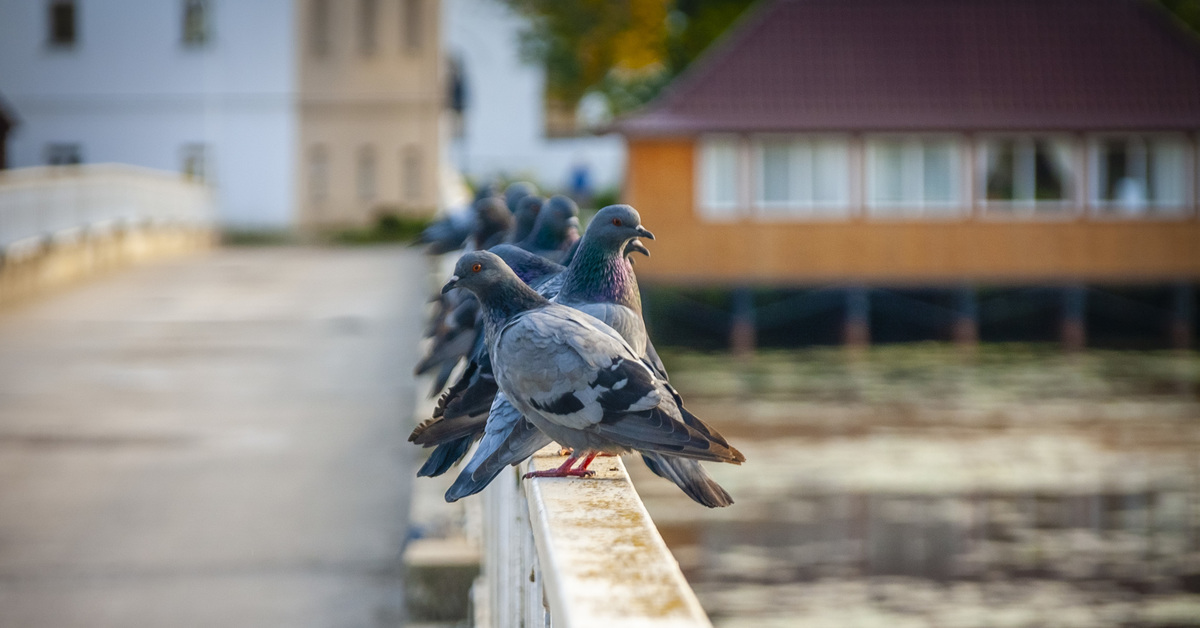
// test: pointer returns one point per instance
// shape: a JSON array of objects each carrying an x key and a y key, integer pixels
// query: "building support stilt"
[
  {"x": 1074, "y": 316},
  {"x": 743, "y": 332},
  {"x": 856, "y": 331},
  {"x": 966, "y": 321}
]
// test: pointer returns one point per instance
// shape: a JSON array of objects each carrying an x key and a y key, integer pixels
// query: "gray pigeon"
[
  {"x": 556, "y": 229},
  {"x": 602, "y": 285},
  {"x": 517, "y": 191},
  {"x": 453, "y": 429},
  {"x": 525, "y": 217},
  {"x": 578, "y": 382},
  {"x": 492, "y": 223}
]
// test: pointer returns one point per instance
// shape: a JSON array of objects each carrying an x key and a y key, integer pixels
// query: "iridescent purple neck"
[{"x": 601, "y": 274}]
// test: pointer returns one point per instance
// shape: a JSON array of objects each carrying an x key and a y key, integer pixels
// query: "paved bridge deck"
[{"x": 218, "y": 441}]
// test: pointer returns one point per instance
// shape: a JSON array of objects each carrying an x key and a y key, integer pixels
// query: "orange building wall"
[{"x": 660, "y": 184}]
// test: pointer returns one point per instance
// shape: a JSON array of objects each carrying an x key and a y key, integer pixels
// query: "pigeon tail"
[
  {"x": 689, "y": 476},
  {"x": 491, "y": 458},
  {"x": 445, "y": 456}
]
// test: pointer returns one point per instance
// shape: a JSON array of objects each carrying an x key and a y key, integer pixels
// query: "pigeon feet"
[
  {"x": 565, "y": 471},
  {"x": 560, "y": 473}
]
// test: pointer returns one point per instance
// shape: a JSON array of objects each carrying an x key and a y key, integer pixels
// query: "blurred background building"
[
  {"x": 298, "y": 112},
  {"x": 930, "y": 144},
  {"x": 504, "y": 125}
]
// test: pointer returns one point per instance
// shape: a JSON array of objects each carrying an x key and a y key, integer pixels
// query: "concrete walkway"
[{"x": 218, "y": 441}]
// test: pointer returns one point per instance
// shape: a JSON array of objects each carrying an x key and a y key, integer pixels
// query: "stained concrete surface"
[{"x": 217, "y": 441}]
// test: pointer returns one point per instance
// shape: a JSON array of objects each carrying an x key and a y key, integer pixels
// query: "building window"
[
  {"x": 366, "y": 173},
  {"x": 411, "y": 25},
  {"x": 913, "y": 176},
  {"x": 195, "y": 22},
  {"x": 368, "y": 11},
  {"x": 318, "y": 173},
  {"x": 63, "y": 154},
  {"x": 1026, "y": 172},
  {"x": 1136, "y": 175},
  {"x": 720, "y": 174},
  {"x": 318, "y": 27},
  {"x": 804, "y": 174},
  {"x": 411, "y": 160},
  {"x": 63, "y": 28},
  {"x": 194, "y": 162}
]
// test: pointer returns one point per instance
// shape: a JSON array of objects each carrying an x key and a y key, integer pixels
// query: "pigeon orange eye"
[
  {"x": 617, "y": 222},
  {"x": 476, "y": 268}
]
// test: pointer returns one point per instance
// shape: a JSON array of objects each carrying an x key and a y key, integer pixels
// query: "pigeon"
[
  {"x": 556, "y": 229},
  {"x": 600, "y": 283},
  {"x": 580, "y": 383},
  {"x": 452, "y": 325},
  {"x": 451, "y": 232},
  {"x": 517, "y": 191},
  {"x": 604, "y": 292},
  {"x": 492, "y": 223},
  {"x": 524, "y": 218},
  {"x": 476, "y": 386}
]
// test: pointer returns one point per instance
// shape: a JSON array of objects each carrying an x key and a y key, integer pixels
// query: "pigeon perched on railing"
[
  {"x": 476, "y": 387},
  {"x": 450, "y": 233},
  {"x": 517, "y": 191},
  {"x": 556, "y": 229},
  {"x": 602, "y": 284},
  {"x": 452, "y": 324},
  {"x": 524, "y": 218},
  {"x": 578, "y": 382}
]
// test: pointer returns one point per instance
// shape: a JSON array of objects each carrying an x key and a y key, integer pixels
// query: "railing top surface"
[
  {"x": 36, "y": 174},
  {"x": 602, "y": 559}
]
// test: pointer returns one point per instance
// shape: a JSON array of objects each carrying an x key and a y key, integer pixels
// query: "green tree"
[{"x": 625, "y": 50}]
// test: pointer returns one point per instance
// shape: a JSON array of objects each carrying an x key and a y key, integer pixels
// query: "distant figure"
[{"x": 581, "y": 184}]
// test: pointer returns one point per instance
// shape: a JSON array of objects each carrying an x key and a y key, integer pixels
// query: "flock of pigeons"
[{"x": 550, "y": 325}]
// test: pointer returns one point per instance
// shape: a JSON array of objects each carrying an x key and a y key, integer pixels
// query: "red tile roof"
[{"x": 797, "y": 65}]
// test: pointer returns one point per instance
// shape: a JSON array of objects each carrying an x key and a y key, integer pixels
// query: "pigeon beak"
[
  {"x": 450, "y": 284},
  {"x": 636, "y": 245},
  {"x": 644, "y": 233}
]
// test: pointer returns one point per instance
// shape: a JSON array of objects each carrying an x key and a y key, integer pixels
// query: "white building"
[
  {"x": 297, "y": 111},
  {"x": 504, "y": 126}
]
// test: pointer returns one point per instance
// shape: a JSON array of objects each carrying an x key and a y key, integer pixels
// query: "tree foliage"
[{"x": 625, "y": 50}]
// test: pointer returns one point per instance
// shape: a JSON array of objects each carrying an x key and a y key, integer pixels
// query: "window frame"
[
  {"x": 1114, "y": 210},
  {"x": 200, "y": 38},
  {"x": 957, "y": 208},
  {"x": 53, "y": 150},
  {"x": 412, "y": 165},
  {"x": 1069, "y": 208},
  {"x": 720, "y": 212},
  {"x": 366, "y": 179},
  {"x": 320, "y": 26},
  {"x": 53, "y": 41},
  {"x": 785, "y": 211},
  {"x": 367, "y": 26},
  {"x": 412, "y": 12},
  {"x": 320, "y": 165}
]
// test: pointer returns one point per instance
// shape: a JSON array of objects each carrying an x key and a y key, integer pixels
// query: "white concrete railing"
[
  {"x": 577, "y": 553},
  {"x": 42, "y": 204}
]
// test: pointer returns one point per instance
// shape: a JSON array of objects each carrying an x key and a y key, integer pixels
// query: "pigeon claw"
[{"x": 560, "y": 473}]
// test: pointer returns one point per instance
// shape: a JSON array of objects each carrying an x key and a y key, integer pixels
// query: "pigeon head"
[
  {"x": 477, "y": 270},
  {"x": 526, "y": 216},
  {"x": 491, "y": 217},
  {"x": 557, "y": 225},
  {"x": 517, "y": 191},
  {"x": 617, "y": 227}
]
